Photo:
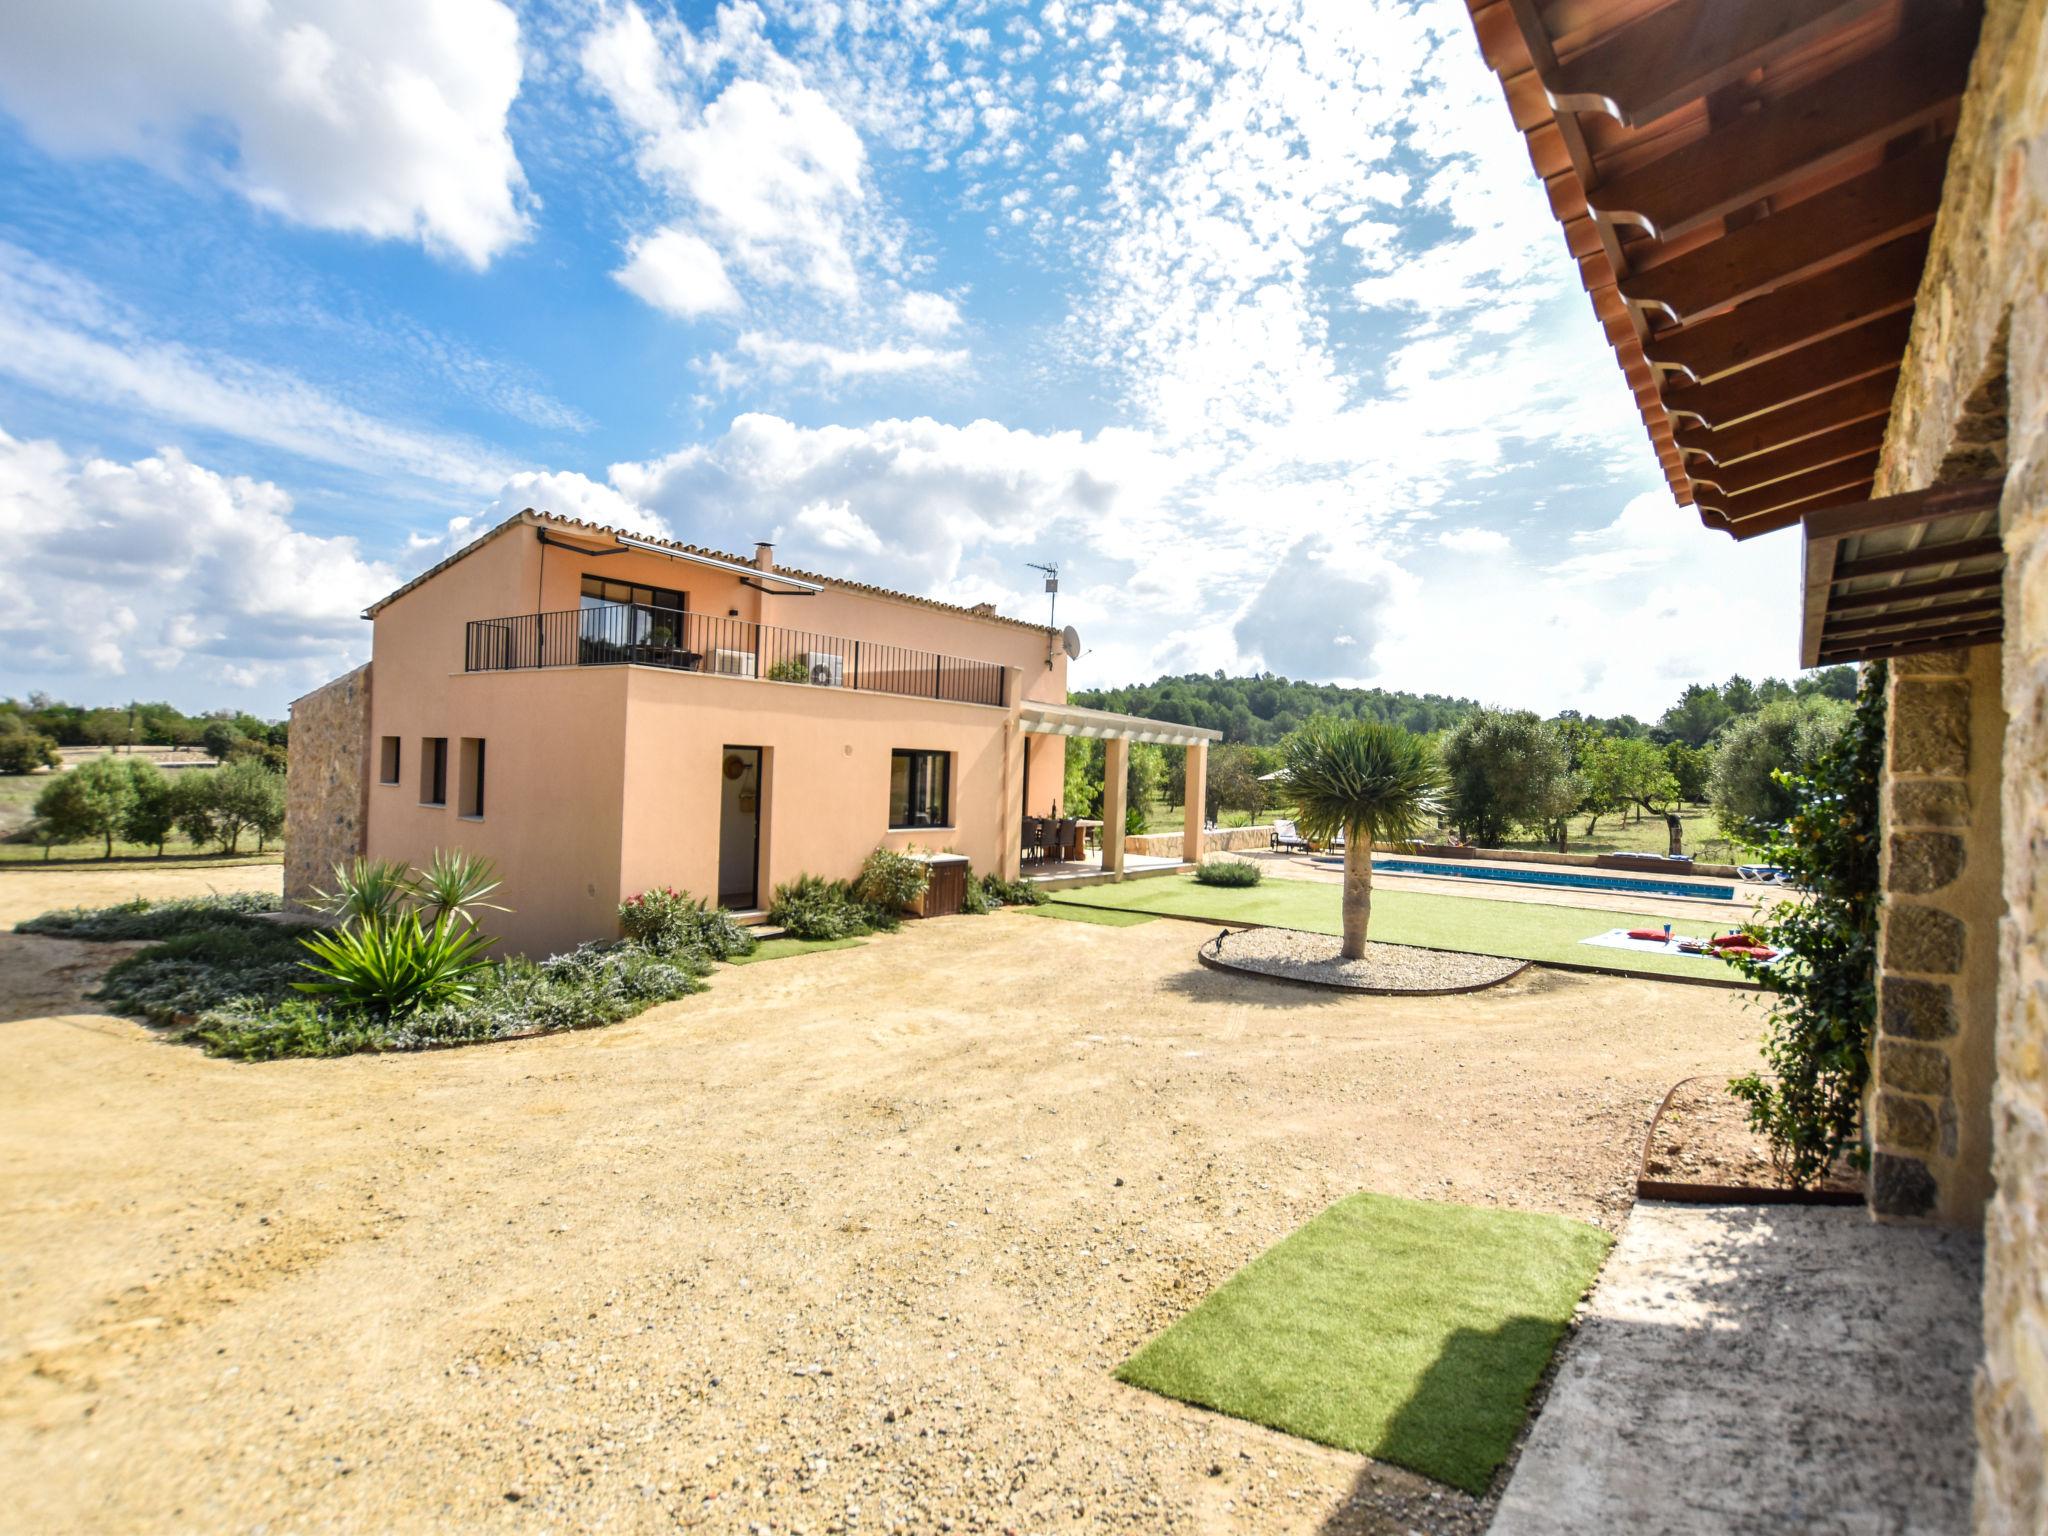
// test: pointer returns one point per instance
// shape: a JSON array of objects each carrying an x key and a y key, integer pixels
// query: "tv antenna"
[{"x": 1052, "y": 587}]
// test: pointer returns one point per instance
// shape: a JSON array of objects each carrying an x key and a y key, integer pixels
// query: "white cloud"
[
  {"x": 787, "y": 358},
  {"x": 1475, "y": 541},
  {"x": 763, "y": 165},
  {"x": 677, "y": 271},
  {"x": 170, "y": 577},
  {"x": 928, "y": 314},
  {"x": 379, "y": 117},
  {"x": 61, "y": 335}
]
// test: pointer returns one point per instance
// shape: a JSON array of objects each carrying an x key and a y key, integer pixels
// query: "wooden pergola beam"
[
  {"x": 1873, "y": 284},
  {"x": 1825, "y": 230},
  {"x": 1947, "y": 615},
  {"x": 1652, "y": 66},
  {"x": 1865, "y": 400},
  {"x": 1793, "y": 489},
  {"x": 1791, "y": 513},
  {"x": 1958, "y": 498},
  {"x": 1910, "y": 644},
  {"x": 1906, "y": 85},
  {"x": 1872, "y": 348},
  {"x": 1915, "y": 591},
  {"x": 1917, "y": 559}
]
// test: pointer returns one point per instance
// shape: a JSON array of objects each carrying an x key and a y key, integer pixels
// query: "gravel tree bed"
[{"x": 1293, "y": 955}]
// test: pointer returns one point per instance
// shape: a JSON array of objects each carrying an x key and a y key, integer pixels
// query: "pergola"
[
  {"x": 1749, "y": 188},
  {"x": 1117, "y": 732}
]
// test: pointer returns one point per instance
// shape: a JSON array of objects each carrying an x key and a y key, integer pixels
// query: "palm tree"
[{"x": 1373, "y": 783}]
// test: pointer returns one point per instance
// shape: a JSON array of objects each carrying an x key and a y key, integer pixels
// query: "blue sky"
[{"x": 1251, "y": 315}]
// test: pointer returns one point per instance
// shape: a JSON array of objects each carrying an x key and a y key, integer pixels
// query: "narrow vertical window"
[
  {"x": 433, "y": 770},
  {"x": 387, "y": 765},
  {"x": 472, "y": 803}
]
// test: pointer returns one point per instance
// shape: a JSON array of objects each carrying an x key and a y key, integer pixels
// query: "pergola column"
[
  {"x": 1116, "y": 778},
  {"x": 1197, "y": 801}
]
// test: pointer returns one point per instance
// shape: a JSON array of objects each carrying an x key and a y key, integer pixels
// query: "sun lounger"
[{"x": 1286, "y": 839}]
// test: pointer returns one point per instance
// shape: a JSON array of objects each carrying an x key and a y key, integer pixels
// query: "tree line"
[
  {"x": 32, "y": 729},
  {"x": 131, "y": 800},
  {"x": 1505, "y": 771}
]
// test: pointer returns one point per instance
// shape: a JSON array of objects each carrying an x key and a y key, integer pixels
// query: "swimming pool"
[{"x": 1626, "y": 884}]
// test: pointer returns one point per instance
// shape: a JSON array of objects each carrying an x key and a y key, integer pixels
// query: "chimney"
[
  {"x": 984, "y": 610},
  {"x": 764, "y": 557}
]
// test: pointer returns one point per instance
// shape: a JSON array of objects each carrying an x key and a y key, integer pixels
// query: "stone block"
[
  {"x": 1932, "y": 664},
  {"x": 1930, "y": 726},
  {"x": 1930, "y": 803},
  {"x": 1906, "y": 1125},
  {"x": 1901, "y": 1186},
  {"x": 1922, "y": 862},
  {"x": 1915, "y": 1010},
  {"x": 1912, "y": 1068},
  {"x": 1918, "y": 938}
]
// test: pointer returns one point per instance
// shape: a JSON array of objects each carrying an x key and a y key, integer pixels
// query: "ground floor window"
[
  {"x": 472, "y": 776},
  {"x": 387, "y": 768},
  {"x": 920, "y": 789},
  {"x": 433, "y": 770}
]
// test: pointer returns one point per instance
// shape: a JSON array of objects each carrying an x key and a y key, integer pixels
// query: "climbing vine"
[{"x": 1817, "y": 1046}]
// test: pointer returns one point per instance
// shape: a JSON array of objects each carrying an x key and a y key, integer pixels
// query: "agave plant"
[
  {"x": 1371, "y": 782},
  {"x": 396, "y": 963},
  {"x": 366, "y": 890},
  {"x": 455, "y": 883}
]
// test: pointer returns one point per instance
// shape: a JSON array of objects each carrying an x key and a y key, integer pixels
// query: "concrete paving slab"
[{"x": 1752, "y": 1369}]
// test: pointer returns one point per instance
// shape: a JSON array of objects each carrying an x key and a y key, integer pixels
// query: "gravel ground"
[
  {"x": 851, "y": 1242},
  {"x": 1316, "y": 957}
]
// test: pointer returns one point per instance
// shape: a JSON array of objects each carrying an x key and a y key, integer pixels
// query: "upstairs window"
[
  {"x": 920, "y": 789},
  {"x": 433, "y": 770}
]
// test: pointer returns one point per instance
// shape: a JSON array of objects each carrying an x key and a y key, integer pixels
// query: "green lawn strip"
[
  {"x": 1102, "y": 916},
  {"x": 782, "y": 949},
  {"x": 1405, "y": 1330},
  {"x": 1472, "y": 924}
]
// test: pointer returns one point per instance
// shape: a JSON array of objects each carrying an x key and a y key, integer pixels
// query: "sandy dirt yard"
[{"x": 851, "y": 1242}]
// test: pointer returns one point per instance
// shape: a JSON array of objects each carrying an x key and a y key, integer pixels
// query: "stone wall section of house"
[
  {"x": 1973, "y": 398},
  {"x": 1937, "y": 983},
  {"x": 327, "y": 786}
]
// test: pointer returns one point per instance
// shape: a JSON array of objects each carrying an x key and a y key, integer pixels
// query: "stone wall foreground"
[
  {"x": 327, "y": 787},
  {"x": 1973, "y": 399}
]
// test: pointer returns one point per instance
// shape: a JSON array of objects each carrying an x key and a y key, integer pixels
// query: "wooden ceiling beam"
[
  {"x": 1943, "y": 614},
  {"x": 1905, "y": 85},
  {"x": 1879, "y": 282},
  {"x": 1790, "y": 514},
  {"x": 1826, "y": 230},
  {"x": 1796, "y": 488},
  {"x": 1873, "y": 347},
  {"x": 1920, "y": 559},
  {"x": 1914, "y": 591},
  {"x": 1956, "y": 498},
  {"x": 1865, "y": 400},
  {"x": 1910, "y": 644},
  {"x": 1657, "y": 64},
  {"x": 1810, "y": 453}
]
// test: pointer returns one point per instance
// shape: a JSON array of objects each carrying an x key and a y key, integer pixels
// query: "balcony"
[{"x": 629, "y": 634}]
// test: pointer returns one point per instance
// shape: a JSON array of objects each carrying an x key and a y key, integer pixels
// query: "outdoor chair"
[{"x": 1286, "y": 839}]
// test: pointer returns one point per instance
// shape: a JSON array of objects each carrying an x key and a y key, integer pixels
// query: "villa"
[{"x": 601, "y": 712}]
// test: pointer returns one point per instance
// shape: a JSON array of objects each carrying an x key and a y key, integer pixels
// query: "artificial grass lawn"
[
  {"x": 1102, "y": 916},
  {"x": 782, "y": 949},
  {"x": 1405, "y": 1330},
  {"x": 1472, "y": 924}
]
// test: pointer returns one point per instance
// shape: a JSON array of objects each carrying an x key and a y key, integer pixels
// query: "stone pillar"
[
  {"x": 327, "y": 784},
  {"x": 1197, "y": 803},
  {"x": 1938, "y": 939},
  {"x": 1116, "y": 783}
]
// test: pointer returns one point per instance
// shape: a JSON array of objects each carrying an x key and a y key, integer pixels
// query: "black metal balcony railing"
[{"x": 621, "y": 634}]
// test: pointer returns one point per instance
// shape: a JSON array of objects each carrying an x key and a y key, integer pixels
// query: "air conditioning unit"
[
  {"x": 827, "y": 669},
  {"x": 733, "y": 663}
]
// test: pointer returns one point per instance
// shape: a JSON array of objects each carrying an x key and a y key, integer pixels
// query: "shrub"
[
  {"x": 813, "y": 908},
  {"x": 93, "y": 800},
  {"x": 666, "y": 922},
  {"x": 891, "y": 881},
  {"x": 366, "y": 890},
  {"x": 999, "y": 892},
  {"x": 139, "y": 919},
  {"x": 202, "y": 968},
  {"x": 395, "y": 964},
  {"x": 454, "y": 884},
  {"x": 1228, "y": 872},
  {"x": 23, "y": 751},
  {"x": 789, "y": 670}
]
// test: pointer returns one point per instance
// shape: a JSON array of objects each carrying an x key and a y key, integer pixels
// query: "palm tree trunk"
[{"x": 1357, "y": 893}]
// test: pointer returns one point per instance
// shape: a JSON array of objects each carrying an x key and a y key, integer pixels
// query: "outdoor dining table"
[{"x": 1083, "y": 830}]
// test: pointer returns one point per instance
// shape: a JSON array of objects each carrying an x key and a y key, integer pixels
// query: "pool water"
[{"x": 1631, "y": 885}]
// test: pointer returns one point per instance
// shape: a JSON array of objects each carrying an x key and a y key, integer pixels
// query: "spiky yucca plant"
[{"x": 1371, "y": 782}]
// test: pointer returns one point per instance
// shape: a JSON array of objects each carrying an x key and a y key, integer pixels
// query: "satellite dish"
[{"x": 1070, "y": 642}]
